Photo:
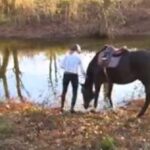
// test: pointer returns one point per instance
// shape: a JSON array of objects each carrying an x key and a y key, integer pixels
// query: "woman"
[{"x": 70, "y": 64}]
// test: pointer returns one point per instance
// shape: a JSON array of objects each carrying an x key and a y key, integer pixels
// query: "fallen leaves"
[{"x": 38, "y": 129}]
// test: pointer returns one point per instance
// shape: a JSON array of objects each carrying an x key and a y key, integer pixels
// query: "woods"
[{"x": 74, "y": 17}]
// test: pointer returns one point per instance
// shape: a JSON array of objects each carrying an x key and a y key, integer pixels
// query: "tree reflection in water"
[
  {"x": 3, "y": 70},
  {"x": 52, "y": 77},
  {"x": 13, "y": 58},
  {"x": 17, "y": 73},
  {"x": 3, "y": 67}
]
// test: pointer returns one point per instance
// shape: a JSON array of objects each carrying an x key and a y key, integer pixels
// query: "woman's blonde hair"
[{"x": 76, "y": 47}]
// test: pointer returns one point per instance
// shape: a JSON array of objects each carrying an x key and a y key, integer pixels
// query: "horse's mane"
[
  {"x": 94, "y": 61},
  {"x": 92, "y": 64},
  {"x": 90, "y": 70}
]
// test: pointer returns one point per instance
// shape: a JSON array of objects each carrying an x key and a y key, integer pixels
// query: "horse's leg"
[
  {"x": 147, "y": 102},
  {"x": 97, "y": 89},
  {"x": 110, "y": 86}
]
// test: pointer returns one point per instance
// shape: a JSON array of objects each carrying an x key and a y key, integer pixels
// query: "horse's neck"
[
  {"x": 89, "y": 83},
  {"x": 93, "y": 66},
  {"x": 90, "y": 73}
]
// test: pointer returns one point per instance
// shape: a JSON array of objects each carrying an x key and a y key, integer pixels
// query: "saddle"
[{"x": 110, "y": 57}]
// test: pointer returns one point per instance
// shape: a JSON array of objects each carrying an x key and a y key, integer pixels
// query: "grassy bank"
[
  {"x": 25, "y": 126},
  {"x": 68, "y": 17}
]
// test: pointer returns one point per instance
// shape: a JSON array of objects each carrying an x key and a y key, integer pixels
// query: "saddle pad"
[
  {"x": 114, "y": 62},
  {"x": 109, "y": 61}
]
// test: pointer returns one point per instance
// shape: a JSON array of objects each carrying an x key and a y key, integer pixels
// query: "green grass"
[
  {"x": 6, "y": 128},
  {"x": 108, "y": 143}
]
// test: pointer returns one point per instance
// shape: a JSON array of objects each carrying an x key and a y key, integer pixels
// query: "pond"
[{"x": 30, "y": 69}]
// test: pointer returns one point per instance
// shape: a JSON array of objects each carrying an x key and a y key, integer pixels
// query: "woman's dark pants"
[{"x": 67, "y": 78}]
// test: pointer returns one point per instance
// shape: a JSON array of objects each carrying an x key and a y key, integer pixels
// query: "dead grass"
[
  {"x": 94, "y": 17},
  {"x": 49, "y": 129}
]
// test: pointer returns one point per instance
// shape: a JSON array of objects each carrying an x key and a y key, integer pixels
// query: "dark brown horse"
[{"x": 132, "y": 66}]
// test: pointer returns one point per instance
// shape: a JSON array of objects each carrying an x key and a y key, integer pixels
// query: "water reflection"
[
  {"x": 17, "y": 73},
  {"x": 5, "y": 56},
  {"x": 53, "y": 68},
  {"x": 3, "y": 67},
  {"x": 30, "y": 70}
]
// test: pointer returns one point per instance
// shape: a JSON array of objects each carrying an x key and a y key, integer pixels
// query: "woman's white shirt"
[{"x": 72, "y": 62}]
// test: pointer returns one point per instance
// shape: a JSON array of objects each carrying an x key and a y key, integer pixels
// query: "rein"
[{"x": 106, "y": 74}]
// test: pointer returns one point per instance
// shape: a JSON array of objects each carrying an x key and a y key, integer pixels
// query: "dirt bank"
[
  {"x": 50, "y": 31},
  {"x": 136, "y": 22}
]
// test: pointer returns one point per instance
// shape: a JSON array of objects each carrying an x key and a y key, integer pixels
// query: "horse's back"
[
  {"x": 140, "y": 59},
  {"x": 140, "y": 63},
  {"x": 132, "y": 66}
]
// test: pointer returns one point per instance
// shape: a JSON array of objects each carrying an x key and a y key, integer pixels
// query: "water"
[{"x": 30, "y": 69}]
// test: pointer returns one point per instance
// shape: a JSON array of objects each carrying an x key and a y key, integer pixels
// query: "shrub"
[
  {"x": 6, "y": 128},
  {"x": 108, "y": 143}
]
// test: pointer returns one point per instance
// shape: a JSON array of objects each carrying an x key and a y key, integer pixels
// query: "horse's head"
[{"x": 88, "y": 95}]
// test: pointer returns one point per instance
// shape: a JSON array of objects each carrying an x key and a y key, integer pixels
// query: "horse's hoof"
[
  {"x": 93, "y": 111},
  {"x": 139, "y": 116},
  {"x": 61, "y": 110},
  {"x": 107, "y": 106},
  {"x": 72, "y": 111}
]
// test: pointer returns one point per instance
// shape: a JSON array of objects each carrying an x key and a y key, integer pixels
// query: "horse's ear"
[{"x": 104, "y": 47}]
